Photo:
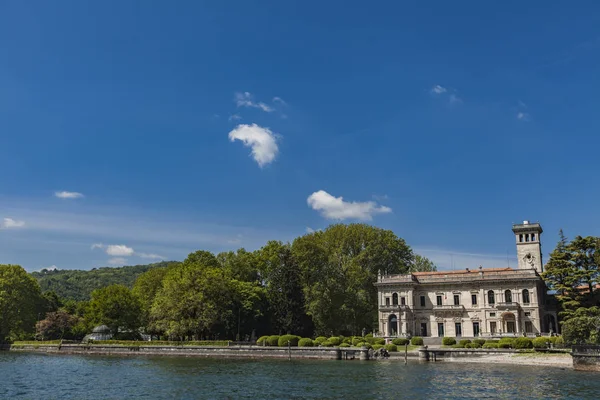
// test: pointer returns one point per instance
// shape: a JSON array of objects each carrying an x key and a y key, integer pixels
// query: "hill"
[{"x": 79, "y": 284}]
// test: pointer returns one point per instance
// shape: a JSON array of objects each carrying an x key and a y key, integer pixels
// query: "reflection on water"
[{"x": 36, "y": 376}]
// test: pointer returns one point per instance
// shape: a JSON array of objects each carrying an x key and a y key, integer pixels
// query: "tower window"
[
  {"x": 533, "y": 237},
  {"x": 525, "y": 296},
  {"x": 521, "y": 238},
  {"x": 527, "y": 237},
  {"x": 491, "y": 298}
]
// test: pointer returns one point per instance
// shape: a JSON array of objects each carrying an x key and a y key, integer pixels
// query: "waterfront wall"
[
  {"x": 330, "y": 353},
  {"x": 586, "y": 358}
]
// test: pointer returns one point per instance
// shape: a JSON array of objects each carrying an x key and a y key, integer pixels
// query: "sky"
[{"x": 137, "y": 131}]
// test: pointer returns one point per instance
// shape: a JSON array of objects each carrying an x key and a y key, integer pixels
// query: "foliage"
[
  {"x": 344, "y": 345},
  {"x": 338, "y": 267},
  {"x": 492, "y": 341},
  {"x": 305, "y": 342},
  {"x": 391, "y": 347},
  {"x": 422, "y": 264},
  {"x": 261, "y": 340},
  {"x": 464, "y": 342},
  {"x": 145, "y": 288},
  {"x": 448, "y": 341},
  {"x": 116, "y": 307},
  {"x": 273, "y": 340},
  {"x": 490, "y": 345},
  {"x": 416, "y": 341},
  {"x": 78, "y": 285},
  {"x": 480, "y": 342},
  {"x": 504, "y": 345},
  {"x": 509, "y": 341},
  {"x": 56, "y": 325},
  {"x": 335, "y": 340},
  {"x": 377, "y": 346},
  {"x": 356, "y": 340},
  {"x": 541, "y": 342},
  {"x": 475, "y": 345},
  {"x": 284, "y": 340},
  {"x": 379, "y": 341},
  {"x": 320, "y": 339},
  {"x": 400, "y": 341},
  {"x": 523, "y": 343},
  {"x": 20, "y": 303},
  {"x": 583, "y": 327},
  {"x": 219, "y": 343}
]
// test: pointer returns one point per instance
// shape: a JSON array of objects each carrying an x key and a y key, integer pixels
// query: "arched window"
[
  {"x": 491, "y": 297},
  {"x": 395, "y": 299},
  {"x": 525, "y": 296},
  {"x": 508, "y": 296},
  {"x": 393, "y": 325}
]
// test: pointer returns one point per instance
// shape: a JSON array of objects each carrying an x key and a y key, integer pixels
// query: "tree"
[
  {"x": 195, "y": 299},
  {"x": 116, "y": 307},
  {"x": 145, "y": 288},
  {"x": 56, "y": 325},
  {"x": 583, "y": 327},
  {"x": 338, "y": 268},
  {"x": 422, "y": 264},
  {"x": 284, "y": 289},
  {"x": 20, "y": 303}
]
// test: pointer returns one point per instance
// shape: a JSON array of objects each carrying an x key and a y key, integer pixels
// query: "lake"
[{"x": 40, "y": 376}]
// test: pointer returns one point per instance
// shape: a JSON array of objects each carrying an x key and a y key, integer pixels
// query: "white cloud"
[
  {"x": 309, "y": 230},
  {"x": 279, "y": 100},
  {"x": 150, "y": 255},
  {"x": 336, "y": 208},
  {"x": 523, "y": 116},
  {"x": 234, "y": 117},
  {"x": 262, "y": 141},
  {"x": 9, "y": 223},
  {"x": 117, "y": 261},
  {"x": 52, "y": 268},
  {"x": 246, "y": 99},
  {"x": 97, "y": 246},
  {"x": 119, "y": 250},
  {"x": 437, "y": 89},
  {"x": 454, "y": 98},
  {"x": 68, "y": 195}
]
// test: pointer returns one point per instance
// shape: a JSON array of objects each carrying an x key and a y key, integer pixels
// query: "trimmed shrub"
[
  {"x": 416, "y": 341},
  {"x": 457, "y": 346},
  {"x": 379, "y": 341},
  {"x": 511, "y": 341},
  {"x": 368, "y": 335},
  {"x": 400, "y": 341},
  {"x": 377, "y": 346},
  {"x": 464, "y": 342},
  {"x": 468, "y": 345},
  {"x": 504, "y": 345},
  {"x": 391, "y": 347},
  {"x": 523, "y": 343},
  {"x": 356, "y": 340},
  {"x": 560, "y": 342},
  {"x": 273, "y": 340},
  {"x": 347, "y": 340},
  {"x": 305, "y": 342},
  {"x": 327, "y": 343},
  {"x": 492, "y": 341},
  {"x": 448, "y": 341},
  {"x": 480, "y": 342},
  {"x": 335, "y": 340},
  {"x": 344, "y": 344},
  {"x": 283, "y": 340},
  {"x": 490, "y": 345},
  {"x": 540, "y": 342},
  {"x": 261, "y": 340},
  {"x": 369, "y": 339},
  {"x": 320, "y": 339},
  {"x": 475, "y": 345}
]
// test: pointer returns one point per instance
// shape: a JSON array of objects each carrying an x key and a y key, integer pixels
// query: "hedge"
[
  {"x": 490, "y": 345},
  {"x": 523, "y": 343},
  {"x": 273, "y": 340},
  {"x": 159, "y": 342},
  {"x": 261, "y": 340},
  {"x": 416, "y": 341},
  {"x": 305, "y": 342},
  {"x": 448, "y": 341},
  {"x": 292, "y": 339},
  {"x": 464, "y": 342},
  {"x": 377, "y": 346},
  {"x": 357, "y": 340},
  {"x": 400, "y": 341},
  {"x": 327, "y": 343},
  {"x": 504, "y": 345},
  {"x": 344, "y": 344},
  {"x": 335, "y": 340},
  {"x": 472, "y": 346},
  {"x": 320, "y": 339},
  {"x": 391, "y": 347},
  {"x": 480, "y": 342},
  {"x": 492, "y": 341}
]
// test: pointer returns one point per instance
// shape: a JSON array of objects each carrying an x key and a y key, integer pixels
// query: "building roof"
[{"x": 465, "y": 275}]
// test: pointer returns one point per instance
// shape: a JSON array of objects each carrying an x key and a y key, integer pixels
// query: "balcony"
[
  {"x": 508, "y": 305},
  {"x": 394, "y": 308},
  {"x": 449, "y": 309}
]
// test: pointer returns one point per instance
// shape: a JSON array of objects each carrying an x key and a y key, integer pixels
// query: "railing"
[
  {"x": 449, "y": 307},
  {"x": 394, "y": 307},
  {"x": 508, "y": 304}
]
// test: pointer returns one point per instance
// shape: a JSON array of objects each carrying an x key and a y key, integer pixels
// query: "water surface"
[{"x": 40, "y": 376}]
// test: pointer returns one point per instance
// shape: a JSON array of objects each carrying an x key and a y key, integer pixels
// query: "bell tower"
[{"x": 529, "y": 245}]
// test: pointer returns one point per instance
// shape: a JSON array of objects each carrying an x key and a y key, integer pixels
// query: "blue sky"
[{"x": 219, "y": 125}]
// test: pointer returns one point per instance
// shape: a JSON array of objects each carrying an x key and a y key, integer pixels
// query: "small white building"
[{"x": 471, "y": 303}]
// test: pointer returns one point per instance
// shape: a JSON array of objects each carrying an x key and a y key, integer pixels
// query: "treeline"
[
  {"x": 320, "y": 284},
  {"x": 79, "y": 285},
  {"x": 573, "y": 273}
]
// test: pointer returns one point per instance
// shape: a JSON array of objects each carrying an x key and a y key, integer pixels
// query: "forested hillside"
[{"x": 79, "y": 284}]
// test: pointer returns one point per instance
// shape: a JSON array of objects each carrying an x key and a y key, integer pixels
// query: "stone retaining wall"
[{"x": 586, "y": 358}]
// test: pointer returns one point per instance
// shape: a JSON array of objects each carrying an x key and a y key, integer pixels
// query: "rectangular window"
[
  {"x": 439, "y": 300},
  {"x": 493, "y": 328},
  {"x": 474, "y": 299},
  {"x": 403, "y": 301},
  {"x": 521, "y": 238},
  {"x": 423, "y": 328},
  {"x": 456, "y": 299},
  {"x": 458, "y": 329},
  {"x": 533, "y": 237},
  {"x": 440, "y": 329},
  {"x": 528, "y": 314},
  {"x": 528, "y": 327},
  {"x": 422, "y": 301},
  {"x": 475, "y": 329},
  {"x": 387, "y": 301},
  {"x": 492, "y": 314}
]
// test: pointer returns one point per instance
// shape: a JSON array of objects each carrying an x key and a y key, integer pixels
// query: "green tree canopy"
[
  {"x": 20, "y": 303},
  {"x": 116, "y": 307},
  {"x": 422, "y": 264},
  {"x": 583, "y": 327}
]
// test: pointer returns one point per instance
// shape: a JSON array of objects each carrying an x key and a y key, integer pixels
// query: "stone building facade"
[{"x": 470, "y": 303}]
